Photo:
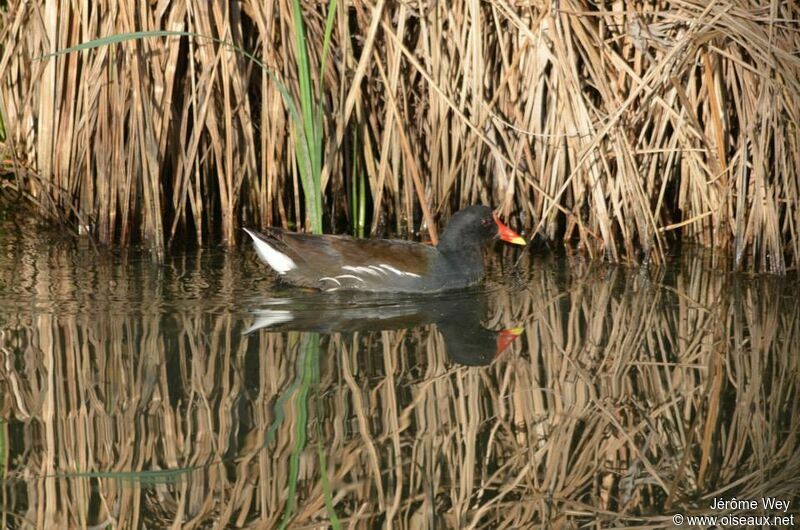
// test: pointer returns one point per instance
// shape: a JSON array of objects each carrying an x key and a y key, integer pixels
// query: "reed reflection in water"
[{"x": 139, "y": 394}]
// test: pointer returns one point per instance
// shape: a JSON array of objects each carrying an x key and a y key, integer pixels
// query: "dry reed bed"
[
  {"x": 628, "y": 395},
  {"x": 612, "y": 126}
]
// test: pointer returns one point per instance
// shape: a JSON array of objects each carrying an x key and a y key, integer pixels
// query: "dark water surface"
[{"x": 193, "y": 393}]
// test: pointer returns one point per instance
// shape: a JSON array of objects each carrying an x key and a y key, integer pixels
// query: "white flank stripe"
[
  {"x": 343, "y": 276},
  {"x": 366, "y": 270},
  {"x": 398, "y": 271},
  {"x": 277, "y": 260},
  {"x": 331, "y": 279},
  {"x": 377, "y": 270}
]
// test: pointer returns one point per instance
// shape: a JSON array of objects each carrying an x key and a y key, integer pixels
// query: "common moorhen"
[{"x": 331, "y": 263}]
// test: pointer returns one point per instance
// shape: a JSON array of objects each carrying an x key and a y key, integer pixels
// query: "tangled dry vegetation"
[{"x": 619, "y": 127}]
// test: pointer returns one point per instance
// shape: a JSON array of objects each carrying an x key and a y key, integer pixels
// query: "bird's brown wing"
[{"x": 327, "y": 261}]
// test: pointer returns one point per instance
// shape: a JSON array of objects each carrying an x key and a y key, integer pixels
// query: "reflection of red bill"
[{"x": 506, "y": 337}]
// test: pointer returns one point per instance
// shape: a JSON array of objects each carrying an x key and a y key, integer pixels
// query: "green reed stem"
[
  {"x": 358, "y": 197},
  {"x": 308, "y": 131}
]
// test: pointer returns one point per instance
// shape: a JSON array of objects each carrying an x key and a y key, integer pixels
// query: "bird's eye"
[{"x": 486, "y": 222}]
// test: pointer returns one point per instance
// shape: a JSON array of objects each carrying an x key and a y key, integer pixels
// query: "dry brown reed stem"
[
  {"x": 627, "y": 390},
  {"x": 617, "y": 127}
]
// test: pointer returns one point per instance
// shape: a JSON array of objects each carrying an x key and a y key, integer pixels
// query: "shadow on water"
[
  {"x": 195, "y": 393},
  {"x": 457, "y": 317}
]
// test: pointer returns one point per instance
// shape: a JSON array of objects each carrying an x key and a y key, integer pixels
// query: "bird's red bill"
[{"x": 506, "y": 234}]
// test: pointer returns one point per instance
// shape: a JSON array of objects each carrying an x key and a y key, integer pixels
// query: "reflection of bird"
[
  {"x": 456, "y": 315},
  {"x": 331, "y": 263}
]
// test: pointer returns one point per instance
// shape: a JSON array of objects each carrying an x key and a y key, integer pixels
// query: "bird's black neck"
[
  {"x": 464, "y": 263},
  {"x": 450, "y": 241}
]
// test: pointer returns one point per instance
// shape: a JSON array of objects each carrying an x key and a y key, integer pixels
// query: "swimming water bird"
[{"x": 331, "y": 263}]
